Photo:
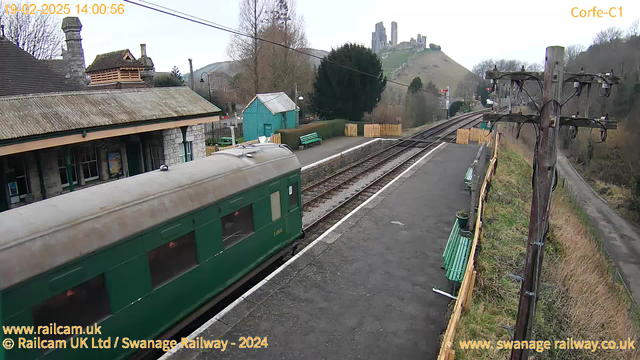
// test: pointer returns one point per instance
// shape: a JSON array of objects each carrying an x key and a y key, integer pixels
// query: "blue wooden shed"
[{"x": 267, "y": 113}]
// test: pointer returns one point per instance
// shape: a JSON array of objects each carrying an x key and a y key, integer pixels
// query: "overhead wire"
[{"x": 188, "y": 17}]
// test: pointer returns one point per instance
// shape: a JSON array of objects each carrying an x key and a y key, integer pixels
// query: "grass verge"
[{"x": 581, "y": 299}]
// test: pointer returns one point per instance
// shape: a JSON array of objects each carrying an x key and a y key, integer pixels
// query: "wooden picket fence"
[
  {"x": 377, "y": 130},
  {"x": 274, "y": 139},
  {"x": 350, "y": 130},
  {"x": 463, "y": 302}
]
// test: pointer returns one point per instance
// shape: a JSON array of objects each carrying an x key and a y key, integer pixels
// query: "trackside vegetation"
[{"x": 581, "y": 296}]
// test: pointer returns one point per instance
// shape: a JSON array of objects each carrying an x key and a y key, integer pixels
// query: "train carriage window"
[
  {"x": 293, "y": 195},
  {"x": 237, "y": 225},
  {"x": 172, "y": 259},
  {"x": 81, "y": 305},
  {"x": 275, "y": 206}
]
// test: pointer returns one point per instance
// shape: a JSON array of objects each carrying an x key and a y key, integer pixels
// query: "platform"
[
  {"x": 364, "y": 289},
  {"x": 328, "y": 148}
]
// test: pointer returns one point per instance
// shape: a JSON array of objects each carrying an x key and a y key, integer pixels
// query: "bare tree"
[
  {"x": 247, "y": 50},
  {"x": 634, "y": 28},
  {"x": 571, "y": 52},
  {"x": 286, "y": 67},
  {"x": 482, "y": 67},
  {"x": 38, "y": 34},
  {"x": 608, "y": 35},
  {"x": 534, "y": 67}
]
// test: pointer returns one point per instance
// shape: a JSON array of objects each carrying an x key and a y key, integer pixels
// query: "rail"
[
  {"x": 463, "y": 300},
  {"x": 473, "y": 118}
]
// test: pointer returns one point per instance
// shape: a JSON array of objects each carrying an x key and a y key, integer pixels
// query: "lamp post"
[{"x": 208, "y": 83}]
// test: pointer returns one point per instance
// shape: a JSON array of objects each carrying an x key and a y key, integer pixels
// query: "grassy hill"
[{"x": 429, "y": 65}]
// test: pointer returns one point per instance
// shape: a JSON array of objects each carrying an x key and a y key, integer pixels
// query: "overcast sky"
[{"x": 468, "y": 31}]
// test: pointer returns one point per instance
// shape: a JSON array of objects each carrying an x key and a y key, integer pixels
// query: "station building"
[{"x": 61, "y": 132}]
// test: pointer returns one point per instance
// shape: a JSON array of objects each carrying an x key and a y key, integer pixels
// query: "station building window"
[
  {"x": 189, "y": 156},
  {"x": 20, "y": 188},
  {"x": 64, "y": 179},
  {"x": 237, "y": 225},
  {"x": 275, "y": 206},
  {"x": 82, "y": 305},
  {"x": 293, "y": 195},
  {"x": 157, "y": 156},
  {"x": 89, "y": 162},
  {"x": 172, "y": 259}
]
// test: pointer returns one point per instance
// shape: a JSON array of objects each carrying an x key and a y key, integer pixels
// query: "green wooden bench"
[
  {"x": 456, "y": 253},
  {"x": 306, "y": 140},
  {"x": 225, "y": 141},
  {"x": 468, "y": 178}
]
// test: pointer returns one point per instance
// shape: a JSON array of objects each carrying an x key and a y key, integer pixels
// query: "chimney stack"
[
  {"x": 191, "y": 74},
  {"x": 149, "y": 69},
  {"x": 74, "y": 56}
]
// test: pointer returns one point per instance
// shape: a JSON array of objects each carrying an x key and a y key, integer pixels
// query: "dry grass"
[{"x": 584, "y": 300}]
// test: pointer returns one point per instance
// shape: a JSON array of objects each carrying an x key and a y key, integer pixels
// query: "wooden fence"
[
  {"x": 350, "y": 130},
  {"x": 377, "y": 130},
  {"x": 274, "y": 139},
  {"x": 479, "y": 135},
  {"x": 466, "y": 288},
  {"x": 462, "y": 136},
  {"x": 390, "y": 129},
  {"x": 372, "y": 130}
]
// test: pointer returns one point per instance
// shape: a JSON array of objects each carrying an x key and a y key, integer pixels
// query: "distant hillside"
[
  {"x": 430, "y": 65},
  {"x": 231, "y": 68}
]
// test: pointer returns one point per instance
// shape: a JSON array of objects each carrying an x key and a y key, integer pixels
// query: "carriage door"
[{"x": 294, "y": 213}]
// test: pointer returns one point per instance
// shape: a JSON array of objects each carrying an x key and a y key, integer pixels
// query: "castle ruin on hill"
[{"x": 379, "y": 41}]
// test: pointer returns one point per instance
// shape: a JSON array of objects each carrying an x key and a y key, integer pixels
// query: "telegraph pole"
[
  {"x": 548, "y": 121},
  {"x": 543, "y": 179}
]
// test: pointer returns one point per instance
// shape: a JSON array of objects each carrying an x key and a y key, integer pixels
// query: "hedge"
[{"x": 325, "y": 128}]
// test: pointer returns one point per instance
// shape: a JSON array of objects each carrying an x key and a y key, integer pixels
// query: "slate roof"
[
  {"x": 276, "y": 102},
  {"x": 31, "y": 115},
  {"x": 21, "y": 73},
  {"x": 113, "y": 60}
]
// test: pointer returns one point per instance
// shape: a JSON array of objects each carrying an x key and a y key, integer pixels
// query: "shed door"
[{"x": 268, "y": 129}]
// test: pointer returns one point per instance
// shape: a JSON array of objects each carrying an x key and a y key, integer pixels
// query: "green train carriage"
[{"x": 139, "y": 254}]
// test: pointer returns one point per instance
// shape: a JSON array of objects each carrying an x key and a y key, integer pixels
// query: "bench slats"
[
  {"x": 310, "y": 139},
  {"x": 456, "y": 254}
]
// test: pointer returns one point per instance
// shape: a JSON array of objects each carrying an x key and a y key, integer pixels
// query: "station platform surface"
[
  {"x": 364, "y": 289},
  {"x": 329, "y": 147}
]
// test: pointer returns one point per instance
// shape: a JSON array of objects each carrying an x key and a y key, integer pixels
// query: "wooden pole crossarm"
[
  {"x": 514, "y": 75},
  {"x": 585, "y": 78},
  {"x": 564, "y": 120}
]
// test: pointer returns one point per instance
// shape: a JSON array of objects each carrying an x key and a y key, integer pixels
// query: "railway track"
[{"x": 326, "y": 189}]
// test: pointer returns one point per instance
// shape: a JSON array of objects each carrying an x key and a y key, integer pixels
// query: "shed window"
[
  {"x": 172, "y": 259},
  {"x": 237, "y": 225},
  {"x": 89, "y": 162},
  {"x": 64, "y": 179},
  {"x": 293, "y": 195},
  {"x": 81, "y": 305},
  {"x": 275, "y": 206}
]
